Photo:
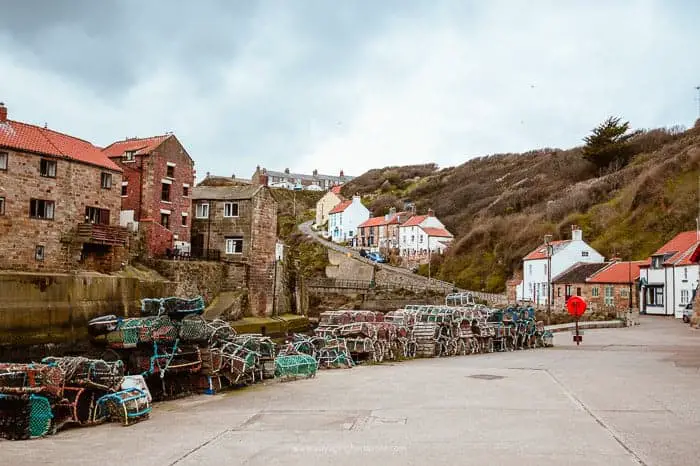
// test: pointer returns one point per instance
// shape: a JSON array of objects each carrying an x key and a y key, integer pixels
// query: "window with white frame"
[
  {"x": 202, "y": 210},
  {"x": 685, "y": 296},
  {"x": 624, "y": 293},
  {"x": 529, "y": 269},
  {"x": 3, "y": 160},
  {"x": 106, "y": 180},
  {"x": 685, "y": 273},
  {"x": 234, "y": 245},
  {"x": 595, "y": 292},
  {"x": 47, "y": 168},
  {"x": 40, "y": 208},
  {"x": 230, "y": 209},
  {"x": 609, "y": 295},
  {"x": 39, "y": 253}
]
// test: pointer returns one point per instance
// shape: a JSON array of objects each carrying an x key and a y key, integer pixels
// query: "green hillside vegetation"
[{"x": 629, "y": 192}]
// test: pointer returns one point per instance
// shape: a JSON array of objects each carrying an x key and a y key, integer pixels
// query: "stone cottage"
[
  {"x": 238, "y": 225},
  {"x": 59, "y": 202}
]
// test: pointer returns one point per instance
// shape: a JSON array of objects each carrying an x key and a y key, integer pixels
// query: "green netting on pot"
[
  {"x": 298, "y": 365},
  {"x": 193, "y": 328},
  {"x": 175, "y": 307},
  {"x": 40, "y": 416}
]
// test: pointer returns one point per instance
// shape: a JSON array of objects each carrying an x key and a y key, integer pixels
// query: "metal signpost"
[{"x": 576, "y": 307}]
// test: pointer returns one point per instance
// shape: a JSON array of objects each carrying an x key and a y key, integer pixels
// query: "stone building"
[
  {"x": 238, "y": 225},
  {"x": 382, "y": 232},
  {"x": 298, "y": 181},
  {"x": 607, "y": 285},
  {"x": 156, "y": 190},
  {"x": 59, "y": 202}
]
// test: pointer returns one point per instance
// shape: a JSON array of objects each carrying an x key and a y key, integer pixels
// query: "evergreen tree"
[{"x": 609, "y": 144}]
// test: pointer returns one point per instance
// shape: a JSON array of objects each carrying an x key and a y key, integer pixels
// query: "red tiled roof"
[
  {"x": 414, "y": 221},
  {"x": 335, "y": 189},
  {"x": 141, "y": 146},
  {"x": 617, "y": 272},
  {"x": 541, "y": 251},
  {"x": 340, "y": 207},
  {"x": 441, "y": 232},
  {"x": 381, "y": 220},
  {"x": 680, "y": 245},
  {"x": 30, "y": 138},
  {"x": 373, "y": 222}
]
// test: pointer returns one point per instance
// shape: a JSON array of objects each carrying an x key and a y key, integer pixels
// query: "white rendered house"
[
  {"x": 668, "y": 282},
  {"x": 344, "y": 219},
  {"x": 564, "y": 254},
  {"x": 422, "y": 233}
]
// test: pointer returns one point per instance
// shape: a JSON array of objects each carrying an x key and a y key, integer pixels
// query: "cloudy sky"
[{"x": 348, "y": 85}]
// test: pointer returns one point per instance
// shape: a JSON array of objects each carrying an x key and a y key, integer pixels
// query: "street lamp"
[{"x": 547, "y": 242}]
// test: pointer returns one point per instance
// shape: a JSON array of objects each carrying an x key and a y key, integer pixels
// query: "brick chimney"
[
  {"x": 3, "y": 112},
  {"x": 342, "y": 174},
  {"x": 315, "y": 172},
  {"x": 286, "y": 170},
  {"x": 431, "y": 213}
]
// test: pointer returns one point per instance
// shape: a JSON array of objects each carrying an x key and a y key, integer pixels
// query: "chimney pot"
[
  {"x": 342, "y": 174},
  {"x": 3, "y": 112},
  {"x": 286, "y": 170},
  {"x": 431, "y": 213}
]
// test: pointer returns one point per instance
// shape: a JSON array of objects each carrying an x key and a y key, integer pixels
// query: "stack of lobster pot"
[
  {"x": 437, "y": 332},
  {"x": 40, "y": 399}
]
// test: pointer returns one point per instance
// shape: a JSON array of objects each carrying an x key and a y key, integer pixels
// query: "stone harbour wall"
[
  {"x": 193, "y": 278},
  {"x": 55, "y": 308}
]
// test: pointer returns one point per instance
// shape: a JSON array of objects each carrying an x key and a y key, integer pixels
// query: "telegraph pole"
[{"x": 697, "y": 88}]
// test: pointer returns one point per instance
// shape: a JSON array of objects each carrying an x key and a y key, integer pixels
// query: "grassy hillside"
[{"x": 500, "y": 207}]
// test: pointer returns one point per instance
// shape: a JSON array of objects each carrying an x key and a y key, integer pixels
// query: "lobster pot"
[
  {"x": 268, "y": 368},
  {"x": 293, "y": 366},
  {"x": 166, "y": 359},
  {"x": 83, "y": 372},
  {"x": 193, "y": 328},
  {"x": 211, "y": 361},
  {"x": 237, "y": 362},
  {"x": 136, "y": 381},
  {"x": 17, "y": 379},
  {"x": 359, "y": 345},
  {"x": 325, "y": 331},
  {"x": 179, "y": 307},
  {"x": 24, "y": 417},
  {"x": 151, "y": 307},
  {"x": 255, "y": 342},
  {"x": 78, "y": 406},
  {"x": 334, "y": 357},
  {"x": 358, "y": 329},
  {"x": 548, "y": 338},
  {"x": 219, "y": 330},
  {"x": 125, "y": 406},
  {"x": 159, "y": 330}
]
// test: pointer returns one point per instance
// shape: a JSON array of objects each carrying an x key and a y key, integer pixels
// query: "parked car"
[
  {"x": 376, "y": 257},
  {"x": 688, "y": 313}
]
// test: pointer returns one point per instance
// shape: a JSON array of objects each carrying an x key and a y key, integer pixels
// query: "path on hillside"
[{"x": 432, "y": 282}]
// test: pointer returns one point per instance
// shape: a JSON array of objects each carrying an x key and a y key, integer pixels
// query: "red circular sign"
[{"x": 576, "y": 306}]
